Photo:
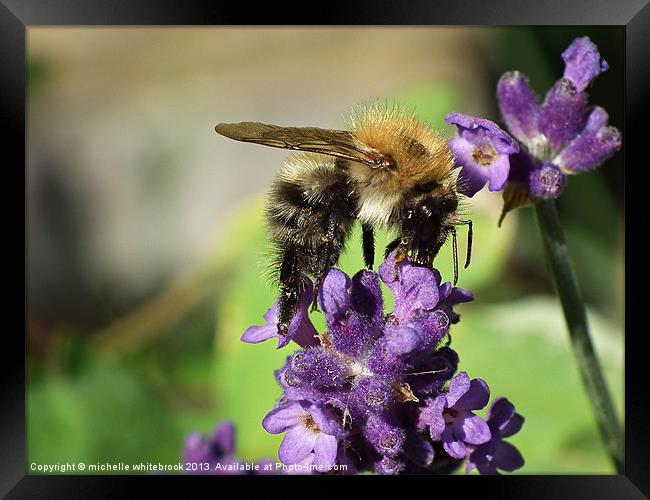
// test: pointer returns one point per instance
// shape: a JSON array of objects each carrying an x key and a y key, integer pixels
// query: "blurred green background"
[{"x": 146, "y": 241}]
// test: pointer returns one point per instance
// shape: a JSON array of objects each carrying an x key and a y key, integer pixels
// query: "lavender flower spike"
[
  {"x": 364, "y": 398},
  {"x": 482, "y": 150},
  {"x": 560, "y": 137}
]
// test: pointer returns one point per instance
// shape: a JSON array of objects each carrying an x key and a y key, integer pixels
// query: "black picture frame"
[{"x": 18, "y": 15}]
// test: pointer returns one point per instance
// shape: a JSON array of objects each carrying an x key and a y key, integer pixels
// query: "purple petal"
[
  {"x": 507, "y": 457},
  {"x": 325, "y": 450},
  {"x": 387, "y": 272},
  {"x": 284, "y": 417},
  {"x": 298, "y": 442},
  {"x": 224, "y": 437},
  {"x": 458, "y": 386},
  {"x": 499, "y": 173},
  {"x": 333, "y": 296},
  {"x": 473, "y": 176},
  {"x": 302, "y": 467},
  {"x": 595, "y": 143},
  {"x": 500, "y": 413},
  {"x": 459, "y": 296},
  {"x": 452, "y": 445},
  {"x": 547, "y": 181},
  {"x": 474, "y": 429},
  {"x": 327, "y": 421},
  {"x": 582, "y": 63},
  {"x": 518, "y": 105},
  {"x": 596, "y": 120},
  {"x": 417, "y": 291},
  {"x": 444, "y": 290},
  {"x": 301, "y": 330},
  {"x": 476, "y": 397},
  {"x": 257, "y": 334},
  {"x": 431, "y": 416},
  {"x": 562, "y": 115},
  {"x": 366, "y": 296},
  {"x": 354, "y": 334},
  {"x": 480, "y": 131},
  {"x": 402, "y": 339},
  {"x": 512, "y": 426},
  {"x": 431, "y": 327}
]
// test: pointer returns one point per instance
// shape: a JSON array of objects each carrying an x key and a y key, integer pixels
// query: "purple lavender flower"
[
  {"x": 450, "y": 417},
  {"x": 312, "y": 434},
  {"x": 496, "y": 453},
  {"x": 356, "y": 399},
  {"x": 216, "y": 455},
  {"x": 562, "y": 136},
  {"x": 559, "y": 137},
  {"x": 482, "y": 149}
]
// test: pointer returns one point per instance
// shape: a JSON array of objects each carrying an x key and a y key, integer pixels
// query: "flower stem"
[{"x": 576, "y": 319}]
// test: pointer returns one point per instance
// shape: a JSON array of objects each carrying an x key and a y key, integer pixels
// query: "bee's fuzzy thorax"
[{"x": 420, "y": 153}]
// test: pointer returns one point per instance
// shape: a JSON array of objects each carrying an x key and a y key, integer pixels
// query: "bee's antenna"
[
  {"x": 455, "y": 253},
  {"x": 470, "y": 236}
]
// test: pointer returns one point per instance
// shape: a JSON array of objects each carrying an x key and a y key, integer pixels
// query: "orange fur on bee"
[{"x": 420, "y": 153}]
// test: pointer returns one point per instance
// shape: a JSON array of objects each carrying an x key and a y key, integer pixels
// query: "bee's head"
[
  {"x": 430, "y": 201},
  {"x": 436, "y": 207},
  {"x": 427, "y": 212}
]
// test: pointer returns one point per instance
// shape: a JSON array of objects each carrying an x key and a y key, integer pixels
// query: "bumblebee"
[{"x": 388, "y": 171}]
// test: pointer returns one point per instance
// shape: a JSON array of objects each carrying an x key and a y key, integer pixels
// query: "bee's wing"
[{"x": 339, "y": 143}]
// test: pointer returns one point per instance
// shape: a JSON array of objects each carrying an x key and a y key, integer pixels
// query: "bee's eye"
[{"x": 449, "y": 204}]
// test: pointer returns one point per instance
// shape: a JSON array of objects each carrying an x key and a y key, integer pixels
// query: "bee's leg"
[
  {"x": 454, "y": 244},
  {"x": 318, "y": 281},
  {"x": 470, "y": 237},
  {"x": 291, "y": 287},
  {"x": 391, "y": 246},
  {"x": 403, "y": 247},
  {"x": 327, "y": 254},
  {"x": 368, "y": 246}
]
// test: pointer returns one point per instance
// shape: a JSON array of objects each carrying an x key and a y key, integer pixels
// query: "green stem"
[{"x": 576, "y": 320}]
